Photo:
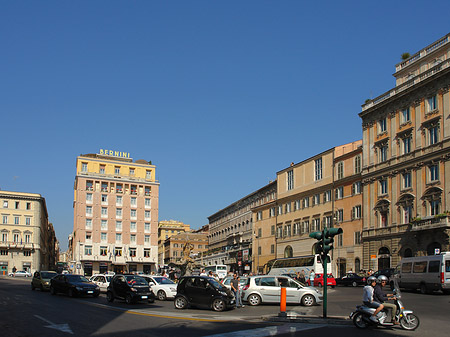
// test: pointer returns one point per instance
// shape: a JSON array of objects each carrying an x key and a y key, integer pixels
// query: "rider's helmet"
[
  {"x": 382, "y": 278},
  {"x": 370, "y": 279}
]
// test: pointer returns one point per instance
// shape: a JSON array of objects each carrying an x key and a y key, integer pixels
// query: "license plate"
[
  {"x": 90, "y": 292},
  {"x": 144, "y": 296}
]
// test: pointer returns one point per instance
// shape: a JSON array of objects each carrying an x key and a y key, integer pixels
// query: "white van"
[{"x": 427, "y": 273}]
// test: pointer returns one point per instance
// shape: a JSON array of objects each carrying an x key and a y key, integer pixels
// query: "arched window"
[
  {"x": 432, "y": 196},
  {"x": 288, "y": 252},
  {"x": 357, "y": 265},
  {"x": 383, "y": 251},
  {"x": 406, "y": 202},
  {"x": 382, "y": 209},
  {"x": 408, "y": 252}
]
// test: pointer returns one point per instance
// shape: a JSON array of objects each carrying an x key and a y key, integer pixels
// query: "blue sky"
[{"x": 219, "y": 95}]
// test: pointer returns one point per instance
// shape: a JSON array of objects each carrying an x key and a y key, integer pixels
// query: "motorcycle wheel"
[
  {"x": 359, "y": 322},
  {"x": 409, "y": 322}
]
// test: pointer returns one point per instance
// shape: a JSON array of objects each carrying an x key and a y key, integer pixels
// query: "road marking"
[
  {"x": 271, "y": 330},
  {"x": 60, "y": 327}
]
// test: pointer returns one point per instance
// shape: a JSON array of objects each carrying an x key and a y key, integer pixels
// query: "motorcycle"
[{"x": 406, "y": 318}]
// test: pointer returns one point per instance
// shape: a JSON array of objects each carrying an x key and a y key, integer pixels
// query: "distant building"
[
  {"x": 27, "y": 238},
  {"x": 406, "y": 163},
  {"x": 166, "y": 229},
  {"x": 115, "y": 214},
  {"x": 174, "y": 246}
]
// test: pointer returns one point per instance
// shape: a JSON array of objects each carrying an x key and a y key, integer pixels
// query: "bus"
[
  {"x": 219, "y": 269},
  {"x": 292, "y": 265}
]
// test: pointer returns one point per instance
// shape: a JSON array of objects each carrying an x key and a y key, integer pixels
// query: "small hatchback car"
[
  {"x": 41, "y": 280},
  {"x": 131, "y": 288},
  {"x": 203, "y": 291}
]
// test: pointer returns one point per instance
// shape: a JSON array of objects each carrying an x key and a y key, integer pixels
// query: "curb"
[{"x": 293, "y": 317}]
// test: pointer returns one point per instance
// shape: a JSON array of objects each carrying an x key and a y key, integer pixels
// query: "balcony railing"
[{"x": 432, "y": 222}]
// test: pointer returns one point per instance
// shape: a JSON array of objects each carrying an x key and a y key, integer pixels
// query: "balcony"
[{"x": 431, "y": 222}]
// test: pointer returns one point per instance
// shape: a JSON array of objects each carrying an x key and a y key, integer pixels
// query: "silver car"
[{"x": 267, "y": 289}]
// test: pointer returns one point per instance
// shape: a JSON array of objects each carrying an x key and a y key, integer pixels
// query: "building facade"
[
  {"x": 175, "y": 246},
  {"x": 231, "y": 232},
  {"x": 406, "y": 168},
  {"x": 166, "y": 229},
  {"x": 115, "y": 214},
  {"x": 27, "y": 238}
]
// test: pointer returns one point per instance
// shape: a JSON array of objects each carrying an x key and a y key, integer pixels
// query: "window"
[
  {"x": 297, "y": 205},
  {"x": 16, "y": 237},
  {"x": 407, "y": 214},
  {"x": 357, "y": 164},
  {"x": 5, "y": 219},
  {"x": 287, "y": 230},
  {"x": 104, "y": 198},
  {"x": 272, "y": 249},
  {"x": 259, "y": 232},
  {"x": 133, "y": 213},
  {"x": 383, "y": 153},
  {"x": 339, "y": 240},
  {"x": 357, "y": 238},
  {"x": 147, "y": 252},
  {"x": 4, "y": 252},
  {"x": 327, "y": 196},
  {"x": 405, "y": 116},
  {"x": 280, "y": 209},
  {"x": 5, "y": 204},
  {"x": 431, "y": 103},
  {"x": 340, "y": 215},
  {"x": 434, "y": 172},
  {"x": 272, "y": 212},
  {"x": 316, "y": 199},
  {"x": 118, "y": 225},
  {"x": 132, "y": 252},
  {"x": 406, "y": 177},
  {"x": 104, "y": 187},
  {"x": 84, "y": 167},
  {"x": 382, "y": 126},
  {"x": 259, "y": 215},
  {"x": 133, "y": 238},
  {"x": 87, "y": 250},
  {"x": 117, "y": 251},
  {"x": 27, "y": 238},
  {"x": 433, "y": 135},
  {"x": 434, "y": 207},
  {"x": 103, "y": 237},
  {"x": 305, "y": 225},
  {"x": 288, "y": 207},
  {"x": 119, "y": 188},
  {"x": 104, "y": 212},
  {"x": 296, "y": 228},
  {"x": 118, "y": 212},
  {"x": 102, "y": 169},
  {"x": 147, "y": 214},
  {"x": 118, "y": 237},
  {"x": 318, "y": 169},
  {"x": 259, "y": 250},
  {"x": 89, "y": 210},
  {"x": 27, "y": 221},
  {"x": 88, "y": 236},
  {"x": 89, "y": 186},
  {"x": 406, "y": 144},
  {"x": 327, "y": 221},
  {"x": 104, "y": 224},
  {"x": 103, "y": 250},
  {"x": 148, "y": 174},
  {"x": 356, "y": 188},
  {"x": 133, "y": 189},
  {"x": 28, "y": 205},
  {"x": 148, "y": 191},
  {"x": 117, "y": 170},
  {"x": 4, "y": 237},
  {"x": 133, "y": 226},
  {"x": 147, "y": 238},
  {"x": 27, "y": 253},
  {"x": 131, "y": 171},
  {"x": 290, "y": 180},
  {"x": 383, "y": 186},
  {"x": 133, "y": 201},
  {"x": 119, "y": 200},
  {"x": 356, "y": 212},
  {"x": 88, "y": 223},
  {"x": 306, "y": 202},
  {"x": 16, "y": 205},
  {"x": 16, "y": 220},
  {"x": 340, "y": 170},
  {"x": 315, "y": 225},
  {"x": 147, "y": 227},
  {"x": 272, "y": 230},
  {"x": 339, "y": 192},
  {"x": 147, "y": 203},
  {"x": 279, "y": 231},
  {"x": 89, "y": 197}
]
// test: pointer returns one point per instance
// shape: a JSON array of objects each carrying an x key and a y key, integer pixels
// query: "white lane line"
[{"x": 271, "y": 330}]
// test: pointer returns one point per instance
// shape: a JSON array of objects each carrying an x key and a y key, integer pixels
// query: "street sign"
[
  {"x": 437, "y": 251},
  {"x": 373, "y": 257}
]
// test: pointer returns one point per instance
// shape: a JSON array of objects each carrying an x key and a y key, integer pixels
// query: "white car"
[
  {"x": 20, "y": 273},
  {"x": 161, "y": 286},
  {"x": 102, "y": 280}
]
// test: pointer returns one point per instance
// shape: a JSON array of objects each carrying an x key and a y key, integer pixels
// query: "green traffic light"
[{"x": 316, "y": 235}]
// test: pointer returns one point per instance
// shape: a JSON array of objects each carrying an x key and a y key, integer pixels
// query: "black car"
[
  {"x": 203, "y": 291},
  {"x": 386, "y": 272},
  {"x": 131, "y": 288},
  {"x": 351, "y": 279},
  {"x": 73, "y": 285}
]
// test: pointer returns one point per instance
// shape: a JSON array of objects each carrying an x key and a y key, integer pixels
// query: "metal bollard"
[{"x": 283, "y": 301}]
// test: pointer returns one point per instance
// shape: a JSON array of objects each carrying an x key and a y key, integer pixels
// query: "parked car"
[
  {"x": 351, "y": 279},
  {"x": 102, "y": 280},
  {"x": 20, "y": 273},
  {"x": 386, "y": 272},
  {"x": 163, "y": 287},
  {"x": 73, "y": 285},
  {"x": 203, "y": 291},
  {"x": 227, "y": 281},
  {"x": 41, "y": 280},
  {"x": 318, "y": 281},
  {"x": 131, "y": 288},
  {"x": 267, "y": 289}
]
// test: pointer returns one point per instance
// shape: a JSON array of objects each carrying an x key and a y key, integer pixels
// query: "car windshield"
[
  {"x": 76, "y": 278},
  {"x": 215, "y": 284},
  {"x": 163, "y": 280},
  {"x": 136, "y": 280},
  {"x": 48, "y": 274}
]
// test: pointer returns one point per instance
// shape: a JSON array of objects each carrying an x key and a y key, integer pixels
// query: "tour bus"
[
  {"x": 219, "y": 269},
  {"x": 292, "y": 265},
  {"x": 426, "y": 273}
]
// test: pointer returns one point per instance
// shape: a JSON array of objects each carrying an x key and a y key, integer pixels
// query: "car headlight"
[
  {"x": 133, "y": 289},
  {"x": 223, "y": 293},
  {"x": 46, "y": 283}
]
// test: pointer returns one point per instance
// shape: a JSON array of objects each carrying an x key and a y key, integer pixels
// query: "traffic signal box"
[{"x": 323, "y": 246}]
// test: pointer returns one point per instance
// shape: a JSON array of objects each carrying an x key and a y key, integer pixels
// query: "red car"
[{"x": 318, "y": 280}]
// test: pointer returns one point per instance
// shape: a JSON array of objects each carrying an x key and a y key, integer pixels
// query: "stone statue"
[{"x": 187, "y": 264}]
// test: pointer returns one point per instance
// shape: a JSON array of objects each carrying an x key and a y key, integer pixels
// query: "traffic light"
[
  {"x": 328, "y": 238},
  {"x": 318, "y": 248}
]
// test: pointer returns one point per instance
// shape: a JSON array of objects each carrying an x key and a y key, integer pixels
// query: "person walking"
[
  {"x": 312, "y": 275},
  {"x": 235, "y": 287}
]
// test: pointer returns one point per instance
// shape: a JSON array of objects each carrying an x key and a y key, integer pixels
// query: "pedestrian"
[
  {"x": 235, "y": 288},
  {"x": 312, "y": 275},
  {"x": 203, "y": 273},
  {"x": 302, "y": 277},
  {"x": 14, "y": 269}
]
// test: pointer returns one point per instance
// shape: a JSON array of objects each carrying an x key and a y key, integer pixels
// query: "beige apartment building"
[
  {"x": 115, "y": 214},
  {"x": 28, "y": 240},
  {"x": 174, "y": 246},
  {"x": 406, "y": 168},
  {"x": 166, "y": 229}
]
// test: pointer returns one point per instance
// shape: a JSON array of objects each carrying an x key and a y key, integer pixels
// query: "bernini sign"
[{"x": 114, "y": 153}]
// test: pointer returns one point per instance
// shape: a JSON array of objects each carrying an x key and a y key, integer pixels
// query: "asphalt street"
[{"x": 24, "y": 312}]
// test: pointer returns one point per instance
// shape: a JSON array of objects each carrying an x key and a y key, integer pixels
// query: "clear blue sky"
[{"x": 219, "y": 95}]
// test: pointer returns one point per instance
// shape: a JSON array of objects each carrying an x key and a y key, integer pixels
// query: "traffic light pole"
[{"x": 325, "y": 275}]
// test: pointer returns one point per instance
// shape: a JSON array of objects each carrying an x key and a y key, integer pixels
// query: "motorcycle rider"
[
  {"x": 380, "y": 297},
  {"x": 368, "y": 299}
]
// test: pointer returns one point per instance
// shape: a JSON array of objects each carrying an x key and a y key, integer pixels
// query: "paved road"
[{"x": 27, "y": 313}]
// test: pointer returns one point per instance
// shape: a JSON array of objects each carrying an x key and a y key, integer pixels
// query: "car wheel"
[
  {"x": 71, "y": 293},
  {"x": 109, "y": 296},
  {"x": 128, "y": 299},
  {"x": 180, "y": 302},
  {"x": 423, "y": 288},
  {"x": 52, "y": 290},
  {"x": 254, "y": 299},
  {"x": 308, "y": 300},
  {"x": 218, "y": 304},
  {"x": 162, "y": 295},
  {"x": 354, "y": 284}
]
